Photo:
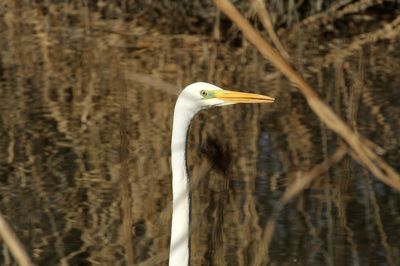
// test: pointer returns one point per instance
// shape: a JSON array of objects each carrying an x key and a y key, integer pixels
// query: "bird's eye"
[{"x": 203, "y": 93}]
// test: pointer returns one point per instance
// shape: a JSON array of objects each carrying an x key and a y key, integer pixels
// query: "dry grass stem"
[
  {"x": 294, "y": 189},
  {"x": 303, "y": 182},
  {"x": 153, "y": 82},
  {"x": 367, "y": 156},
  {"x": 126, "y": 193},
  {"x": 336, "y": 11},
  {"x": 265, "y": 18},
  {"x": 389, "y": 31},
  {"x": 12, "y": 242}
]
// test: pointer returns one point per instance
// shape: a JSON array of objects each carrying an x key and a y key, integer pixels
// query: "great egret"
[{"x": 193, "y": 98}]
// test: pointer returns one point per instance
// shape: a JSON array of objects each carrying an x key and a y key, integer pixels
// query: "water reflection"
[{"x": 86, "y": 113}]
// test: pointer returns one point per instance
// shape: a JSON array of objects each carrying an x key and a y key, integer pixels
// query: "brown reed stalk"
[
  {"x": 364, "y": 152},
  {"x": 336, "y": 11},
  {"x": 389, "y": 31},
  {"x": 379, "y": 224},
  {"x": 291, "y": 192},
  {"x": 126, "y": 198},
  {"x": 263, "y": 14},
  {"x": 13, "y": 243}
]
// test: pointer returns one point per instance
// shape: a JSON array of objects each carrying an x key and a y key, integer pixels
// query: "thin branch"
[
  {"x": 365, "y": 153},
  {"x": 12, "y": 242},
  {"x": 291, "y": 192},
  {"x": 265, "y": 18}
]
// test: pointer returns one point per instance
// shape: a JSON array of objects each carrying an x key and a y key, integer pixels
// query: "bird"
[{"x": 193, "y": 98}]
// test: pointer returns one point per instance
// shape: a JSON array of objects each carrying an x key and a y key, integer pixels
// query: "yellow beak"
[{"x": 242, "y": 97}]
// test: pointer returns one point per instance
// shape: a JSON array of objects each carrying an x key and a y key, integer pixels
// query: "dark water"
[{"x": 87, "y": 93}]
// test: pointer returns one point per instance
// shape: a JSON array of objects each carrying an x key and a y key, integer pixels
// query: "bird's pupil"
[{"x": 204, "y": 93}]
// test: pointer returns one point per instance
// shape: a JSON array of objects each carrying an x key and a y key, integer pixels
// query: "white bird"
[{"x": 193, "y": 98}]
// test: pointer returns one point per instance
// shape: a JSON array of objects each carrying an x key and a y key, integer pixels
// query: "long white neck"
[{"x": 179, "y": 249}]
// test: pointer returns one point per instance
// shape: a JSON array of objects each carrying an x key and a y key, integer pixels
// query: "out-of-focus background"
[{"x": 87, "y": 90}]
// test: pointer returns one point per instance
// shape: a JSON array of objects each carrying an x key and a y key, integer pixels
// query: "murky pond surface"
[{"x": 86, "y": 100}]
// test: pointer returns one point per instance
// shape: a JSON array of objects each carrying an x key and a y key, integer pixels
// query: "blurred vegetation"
[{"x": 87, "y": 91}]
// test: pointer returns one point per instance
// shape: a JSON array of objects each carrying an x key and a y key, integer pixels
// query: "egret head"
[{"x": 204, "y": 95}]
